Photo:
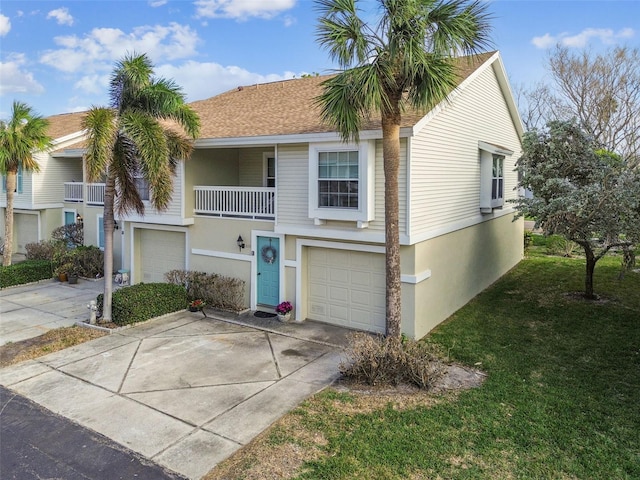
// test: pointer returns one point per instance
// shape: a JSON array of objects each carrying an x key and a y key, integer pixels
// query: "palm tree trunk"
[
  {"x": 8, "y": 220},
  {"x": 107, "y": 219},
  {"x": 391, "y": 153}
]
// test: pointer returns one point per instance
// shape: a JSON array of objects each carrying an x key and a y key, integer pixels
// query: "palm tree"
[
  {"x": 144, "y": 133},
  {"x": 23, "y": 135},
  {"x": 405, "y": 60}
]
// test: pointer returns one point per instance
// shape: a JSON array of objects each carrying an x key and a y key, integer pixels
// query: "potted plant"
[
  {"x": 197, "y": 305},
  {"x": 62, "y": 271},
  {"x": 284, "y": 311}
]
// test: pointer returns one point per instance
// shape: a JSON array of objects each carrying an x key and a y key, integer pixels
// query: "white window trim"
[
  {"x": 99, "y": 220},
  {"x": 366, "y": 189},
  {"x": 265, "y": 168},
  {"x": 487, "y": 153}
]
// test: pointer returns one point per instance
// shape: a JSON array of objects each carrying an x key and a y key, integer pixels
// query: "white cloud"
[
  {"x": 93, "y": 84},
  {"x": 606, "y": 36},
  {"x": 5, "y": 25},
  {"x": 241, "y": 9},
  {"x": 16, "y": 79},
  {"x": 62, "y": 16},
  {"x": 98, "y": 50},
  {"x": 157, "y": 3},
  {"x": 204, "y": 80}
]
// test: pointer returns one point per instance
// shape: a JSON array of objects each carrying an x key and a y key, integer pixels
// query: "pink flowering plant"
[{"x": 284, "y": 308}]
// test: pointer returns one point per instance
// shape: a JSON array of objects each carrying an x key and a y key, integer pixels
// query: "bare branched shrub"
[
  {"x": 376, "y": 360},
  {"x": 42, "y": 250},
  {"x": 71, "y": 234},
  {"x": 226, "y": 293}
]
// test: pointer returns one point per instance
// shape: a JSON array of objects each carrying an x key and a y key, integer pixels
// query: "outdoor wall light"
[
  {"x": 240, "y": 242},
  {"x": 115, "y": 225},
  {"x": 79, "y": 218}
]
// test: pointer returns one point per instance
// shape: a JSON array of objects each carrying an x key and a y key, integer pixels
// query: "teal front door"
[{"x": 268, "y": 284}]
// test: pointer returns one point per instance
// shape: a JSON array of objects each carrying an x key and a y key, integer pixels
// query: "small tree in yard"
[{"x": 582, "y": 192}]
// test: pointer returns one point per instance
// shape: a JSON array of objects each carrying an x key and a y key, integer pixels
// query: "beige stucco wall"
[{"x": 462, "y": 264}]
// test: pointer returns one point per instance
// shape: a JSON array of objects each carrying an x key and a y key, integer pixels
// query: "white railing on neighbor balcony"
[
  {"x": 95, "y": 193},
  {"x": 237, "y": 202},
  {"x": 73, "y": 191}
]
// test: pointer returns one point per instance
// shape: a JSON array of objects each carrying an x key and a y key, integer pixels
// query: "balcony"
[
  {"x": 74, "y": 192},
  {"x": 256, "y": 203}
]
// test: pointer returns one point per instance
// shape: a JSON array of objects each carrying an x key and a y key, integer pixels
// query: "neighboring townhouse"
[{"x": 272, "y": 195}]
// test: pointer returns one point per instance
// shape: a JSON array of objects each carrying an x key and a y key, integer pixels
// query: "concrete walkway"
[
  {"x": 31, "y": 310},
  {"x": 183, "y": 390}
]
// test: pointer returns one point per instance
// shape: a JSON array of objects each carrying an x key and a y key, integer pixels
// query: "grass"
[
  {"x": 560, "y": 400},
  {"x": 49, "y": 342}
]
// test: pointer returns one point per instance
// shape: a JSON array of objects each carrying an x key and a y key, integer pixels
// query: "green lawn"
[{"x": 562, "y": 397}]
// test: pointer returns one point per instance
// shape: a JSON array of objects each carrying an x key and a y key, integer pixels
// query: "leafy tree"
[
  {"x": 582, "y": 192},
  {"x": 145, "y": 132},
  {"x": 601, "y": 91},
  {"x": 23, "y": 135},
  {"x": 402, "y": 61}
]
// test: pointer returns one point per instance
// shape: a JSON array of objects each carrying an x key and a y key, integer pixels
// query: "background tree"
[
  {"x": 403, "y": 60},
  {"x": 22, "y": 136},
  {"x": 145, "y": 132},
  {"x": 582, "y": 192},
  {"x": 601, "y": 91}
]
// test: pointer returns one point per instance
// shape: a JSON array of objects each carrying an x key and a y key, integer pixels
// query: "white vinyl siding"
[
  {"x": 173, "y": 214},
  {"x": 445, "y": 168},
  {"x": 48, "y": 184},
  {"x": 293, "y": 185},
  {"x": 251, "y": 167}
]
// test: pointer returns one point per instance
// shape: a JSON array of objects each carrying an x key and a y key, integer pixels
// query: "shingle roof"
[
  {"x": 279, "y": 108},
  {"x": 64, "y": 124},
  {"x": 286, "y": 107}
]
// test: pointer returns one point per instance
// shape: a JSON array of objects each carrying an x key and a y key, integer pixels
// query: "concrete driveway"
[{"x": 183, "y": 390}]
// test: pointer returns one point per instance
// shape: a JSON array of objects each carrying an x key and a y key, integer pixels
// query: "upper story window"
[
  {"x": 18, "y": 181},
  {"x": 142, "y": 186},
  {"x": 492, "y": 159},
  {"x": 341, "y": 182},
  {"x": 270, "y": 171},
  {"x": 338, "y": 179}
]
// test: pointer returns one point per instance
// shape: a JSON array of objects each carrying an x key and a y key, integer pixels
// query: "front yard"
[{"x": 560, "y": 400}]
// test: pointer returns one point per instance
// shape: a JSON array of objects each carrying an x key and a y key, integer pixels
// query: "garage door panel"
[
  {"x": 338, "y": 294},
  {"x": 355, "y": 288},
  {"x": 161, "y": 251},
  {"x": 25, "y": 230}
]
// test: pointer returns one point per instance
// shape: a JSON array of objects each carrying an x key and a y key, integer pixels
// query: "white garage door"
[
  {"x": 25, "y": 228},
  {"x": 161, "y": 251},
  {"x": 346, "y": 288}
]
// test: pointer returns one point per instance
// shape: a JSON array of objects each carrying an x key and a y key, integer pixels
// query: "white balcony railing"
[
  {"x": 95, "y": 193},
  {"x": 237, "y": 202},
  {"x": 73, "y": 191}
]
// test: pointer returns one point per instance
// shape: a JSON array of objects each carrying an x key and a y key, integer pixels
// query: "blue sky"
[{"x": 57, "y": 55}]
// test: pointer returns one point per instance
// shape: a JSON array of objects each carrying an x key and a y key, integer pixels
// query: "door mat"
[{"x": 260, "y": 314}]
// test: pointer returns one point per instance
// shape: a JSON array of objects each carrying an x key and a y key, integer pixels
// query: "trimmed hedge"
[
  {"x": 143, "y": 301},
  {"x": 225, "y": 293},
  {"x": 25, "y": 272}
]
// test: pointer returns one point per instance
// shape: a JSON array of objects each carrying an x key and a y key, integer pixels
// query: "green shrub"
[
  {"x": 528, "y": 240},
  {"x": 225, "y": 293},
  {"x": 559, "y": 245},
  {"x": 25, "y": 272},
  {"x": 143, "y": 301},
  {"x": 88, "y": 261},
  {"x": 377, "y": 360}
]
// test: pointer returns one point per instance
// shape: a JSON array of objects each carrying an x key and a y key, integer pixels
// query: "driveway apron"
[{"x": 184, "y": 390}]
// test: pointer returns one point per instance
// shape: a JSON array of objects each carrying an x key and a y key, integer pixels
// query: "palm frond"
[
  {"x": 102, "y": 129},
  {"x": 20, "y": 137},
  {"x": 342, "y": 32}
]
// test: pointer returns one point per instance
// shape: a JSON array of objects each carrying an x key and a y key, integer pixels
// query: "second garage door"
[
  {"x": 160, "y": 251},
  {"x": 25, "y": 230},
  {"x": 346, "y": 288}
]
